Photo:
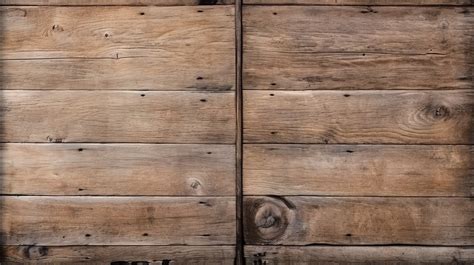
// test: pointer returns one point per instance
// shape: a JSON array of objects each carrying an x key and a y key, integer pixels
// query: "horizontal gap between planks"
[
  {"x": 339, "y": 144},
  {"x": 374, "y": 5},
  {"x": 361, "y": 245},
  {"x": 231, "y": 144},
  {"x": 192, "y": 90},
  {"x": 353, "y": 196},
  {"x": 124, "y": 196}
]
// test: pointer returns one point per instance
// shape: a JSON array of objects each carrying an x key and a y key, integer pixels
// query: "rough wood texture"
[
  {"x": 98, "y": 116},
  {"x": 358, "y": 221},
  {"x": 314, "y": 47},
  {"x": 358, "y": 255},
  {"x": 116, "y": 2},
  {"x": 359, "y": 170},
  {"x": 357, "y": 2},
  {"x": 31, "y": 220},
  {"x": 119, "y": 48},
  {"x": 421, "y": 117},
  {"x": 117, "y": 169},
  {"x": 157, "y": 255}
]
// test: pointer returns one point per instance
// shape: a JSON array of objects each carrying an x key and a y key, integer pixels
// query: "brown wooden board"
[
  {"x": 157, "y": 255},
  {"x": 358, "y": 255},
  {"x": 100, "y": 116},
  {"x": 358, "y": 170},
  {"x": 311, "y": 47},
  {"x": 118, "y": 48},
  {"x": 357, "y": 2},
  {"x": 421, "y": 117},
  {"x": 116, "y": 2},
  {"x": 84, "y": 220},
  {"x": 302, "y": 220},
  {"x": 118, "y": 169}
]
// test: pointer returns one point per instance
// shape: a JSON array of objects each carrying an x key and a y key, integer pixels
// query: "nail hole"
[
  {"x": 348, "y": 234},
  {"x": 272, "y": 95},
  {"x": 349, "y": 151},
  {"x": 142, "y": 13},
  {"x": 80, "y": 149},
  {"x": 199, "y": 78},
  {"x": 200, "y": 11},
  {"x": 145, "y": 234},
  {"x": 273, "y": 84},
  {"x": 363, "y": 54},
  {"x": 87, "y": 235},
  {"x": 142, "y": 95},
  {"x": 203, "y": 100},
  {"x": 273, "y": 132},
  {"x": 106, "y": 35},
  {"x": 275, "y": 13},
  {"x": 80, "y": 189},
  {"x": 209, "y": 153},
  {"x": 347, "y": 95}
]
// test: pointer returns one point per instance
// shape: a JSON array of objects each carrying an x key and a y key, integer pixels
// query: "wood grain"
[
  {"x": 421, "y": 117},
  {"x": 305, "y": 220},
  {"x": 101, "y": 116},
  {"x": 358, "y": 2},
  {"x": 118, "y": 169},
  {"x": 83, "y": 220},
  {"x": 358, "y": 255},
  {"x": 109, "y": 254},
  {"x": 359, "y": 170},
  {"x": 119, "y": 48},
  {"x": 311, "y": 47},
  {"x": 116, "y": 2}
]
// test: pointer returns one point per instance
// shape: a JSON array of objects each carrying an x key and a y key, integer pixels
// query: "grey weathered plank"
[
  {"x": 100, "y": 116},
  {"x": 311, "y": 47},
  {"x": 119, "y": 48},
  {"x": 359, "y": 2},
  {"x": 109, "y": 254},
  {"x": 83, "y": 220},
  {"x": 418, "y": 117},
  {"x": 358, "y": 255},
  {"x": 116, "y": 2},
  {"x": 358, "y": 170},
  {"x": 117, "y": 169},
  {"x": 306, "y": 220}
]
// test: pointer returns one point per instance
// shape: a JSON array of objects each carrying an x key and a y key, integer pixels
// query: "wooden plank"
[
  {"x": 103, "y": 116},
  {"x": 359, "y": 170},
  {"x": 119, "y": 48},
  {"x": 126, "y": 254},
  {"x": 118, "y": 169},
  {"x": 313, "y": 47},
  {"x": 115, "y": 2},
  {"x": 358, "y": 255},
  {"x": 83, "y": 220},
  {"x": 305, "y": 220},
  {"x": 421, "y": 117},
  {"x": 358, "y": 2}
]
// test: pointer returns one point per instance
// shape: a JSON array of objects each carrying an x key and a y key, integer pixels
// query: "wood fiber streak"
[
  {"x": 99, "y": 116},
  {"x": 116, "y": 2},
  {"x": 31, "y": 220},
  {"x": 311, "y": 47},
  {"x": 359, "y": 2},
  {"x": 118, "y": 169},
  {"x": 199, "y": 255},
  {"x": 374, "y": 117},
  {"x": 119, "y": 48},
  {"x": 358, "y": 221},
  {"x": 358, "y": 255},
  {"x": 359, "y": 170}
]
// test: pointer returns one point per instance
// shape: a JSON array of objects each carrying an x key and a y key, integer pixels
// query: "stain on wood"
[
  {"x": 359, "y": 117},
  {"x": 118, "y": 169},
  {"x": 358, "y": 170},
  {"x": 303, "y": 220}
]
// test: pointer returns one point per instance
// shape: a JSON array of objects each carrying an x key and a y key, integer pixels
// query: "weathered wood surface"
[
  {"x": 311, "y": 47},
  {"x": 358, "y": 255},
  {"x": 158, "y": 255},
  {"x": 116, "y": 2},
  {"x": 358, "y": 221},
  {"x": 359, "y": 170},
  {"x": 118, "y": 169},
  {"x": 103, "y": 116},
  {"x": 84, "y": 220},
  {"x": 418, "y": 117},
  {"x": 119, "y": 48},
  {"x": 356, "y": 2}
]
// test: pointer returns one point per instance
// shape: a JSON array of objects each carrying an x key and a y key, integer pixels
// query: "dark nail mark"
[
  {"x": 272, "y": 95},
  {"x": 275, "y": 13},
  {"x": 273, "y": 84},
  {"x": 207, "y": 2},
  {"x": 205, "y": 203},
  {"x": 200, "y": 11},
  {"x": 142, "y": 95},
  {"x": 87, "y": 235},
  {"x": 349, "y": 151},
  {"x": 203, "y": 100},
  {"x": 199, "y": 78},
  {"x": 209, "y": 153},
  {"x": 142, "y": 13},
  {"x": 145, "y": 234},
  {"x": 347, "y": 95},
  {"x": 349, "y": 235},
  {"x": 80, "y": 149},
  {"x": 106, "y": 35},
  {"x": 80, "y": 189}
]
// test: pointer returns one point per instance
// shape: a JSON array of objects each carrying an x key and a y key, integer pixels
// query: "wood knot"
[
  {"x": 266, "y": 220},
  {"x": 57, "y": 28},
  {"x": 441, "y": 111},
  {"x": 35, "y": 252}
]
